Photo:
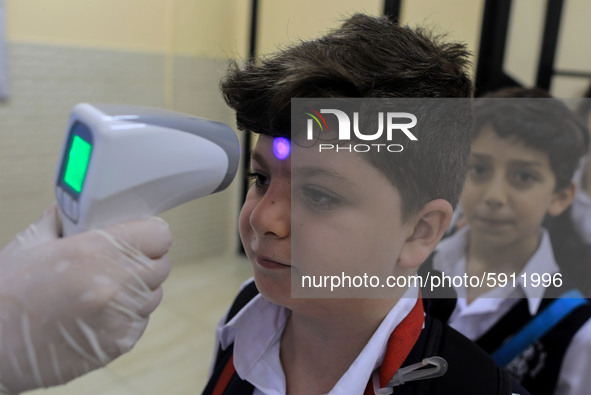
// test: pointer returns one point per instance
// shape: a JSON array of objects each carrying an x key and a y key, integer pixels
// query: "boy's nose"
[
  {"x": 272, "y": 215},
  {"x": 496, "y": 192}
]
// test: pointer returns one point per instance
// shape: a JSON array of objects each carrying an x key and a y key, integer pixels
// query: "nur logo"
[
  {"x": 391, "y": 119},
  {"x": 315, "y": 117}
]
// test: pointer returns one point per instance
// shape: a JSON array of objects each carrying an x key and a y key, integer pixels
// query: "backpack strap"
[
  {"x": 538, "y": 326},
  {"x": 470, "y": 370},
  {"x": 224, "y": 378},
  {"x": 440, "y": 302},
  {"x": 246, "y": 295}
]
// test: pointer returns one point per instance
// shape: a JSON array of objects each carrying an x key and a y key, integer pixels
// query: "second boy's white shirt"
[
  {"x": 256, "y": 333},
  {"x": 476, "y": 318},
  {"x": 581, "y": 207}
]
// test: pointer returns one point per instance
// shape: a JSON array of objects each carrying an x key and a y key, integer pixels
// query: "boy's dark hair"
[
  {"x": 541, "y": 122},
  {"x": 367, "y": 57}
]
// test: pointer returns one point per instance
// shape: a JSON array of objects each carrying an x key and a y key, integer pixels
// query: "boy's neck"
[
  {"x": 317, "y": 351},
  {"x": 482, "y": 256},
  {"x": 511, "y": 257}
]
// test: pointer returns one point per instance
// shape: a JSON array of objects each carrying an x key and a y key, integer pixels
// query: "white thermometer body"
[{"x": 123, "y": 162}]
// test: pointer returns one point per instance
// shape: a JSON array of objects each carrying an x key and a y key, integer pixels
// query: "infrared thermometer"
[{"x": 120, "y": 163}]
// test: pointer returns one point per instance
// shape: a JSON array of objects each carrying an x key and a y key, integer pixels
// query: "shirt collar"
[
  {"x": 451, "y": 258},
  {"x": 541, "y": 262},
  {"x": 256, "y": 333},
  {"x": 357, "y": 376}
]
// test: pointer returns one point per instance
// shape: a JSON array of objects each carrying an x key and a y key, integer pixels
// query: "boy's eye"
[
  {"x": 477, "y": 170},
  {"x": 320, "y": 199},
  {"x": 523, "y": 177},
  {"x": 259, "y": 180}
]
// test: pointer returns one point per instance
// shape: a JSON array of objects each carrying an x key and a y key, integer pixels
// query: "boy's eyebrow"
[
  {"x": 315, "y": 171},
  {"x": 304, "y": 171},
  {"x": 521, "y": 162},
  {"x": 259, "y": 158},
  {"x": 518, "y": 162},
  {"x": 479, "y": 156}
]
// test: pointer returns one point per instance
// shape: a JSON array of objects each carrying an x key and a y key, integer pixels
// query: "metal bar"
[
  {"x": 392, "y": 9},
  {"x": 3, "y": 55},
  {"x": 549, "y": 43},
  {"x": 252, "y": 51},
  {"x": 572, "y": 73},
  {"x": 254, "y": 16},
  {"x": 493, "y": 37}
]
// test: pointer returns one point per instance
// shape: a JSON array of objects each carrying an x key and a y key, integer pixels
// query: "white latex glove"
[{"x": 71, "y": 305}]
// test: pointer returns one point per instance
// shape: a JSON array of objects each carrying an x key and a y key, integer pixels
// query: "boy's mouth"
[
  {"x": 262, "y": 260},
  {"x": 493, "y": 222}
]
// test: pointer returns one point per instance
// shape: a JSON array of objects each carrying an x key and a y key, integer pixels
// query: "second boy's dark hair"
[
  {"x": 541, "y": 122},
  {"x": 367, "y": 57}
]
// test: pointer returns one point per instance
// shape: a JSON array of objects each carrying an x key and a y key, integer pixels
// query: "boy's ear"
[
  {"x": 562, "y": 199},
  {"x": 427, "y": 228}
]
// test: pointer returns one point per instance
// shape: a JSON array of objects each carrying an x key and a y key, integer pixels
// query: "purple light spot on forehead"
[{"x": 281, "y": 147}]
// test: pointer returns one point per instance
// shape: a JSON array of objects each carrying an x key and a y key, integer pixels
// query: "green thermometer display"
[{"x": 77, "y": 164}]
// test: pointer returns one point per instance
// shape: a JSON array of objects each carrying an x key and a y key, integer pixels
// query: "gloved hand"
[{"x": 71, "y": 305}]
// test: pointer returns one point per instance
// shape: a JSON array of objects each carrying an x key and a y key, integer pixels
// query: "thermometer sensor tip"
[{"x": 281, "y": 147}]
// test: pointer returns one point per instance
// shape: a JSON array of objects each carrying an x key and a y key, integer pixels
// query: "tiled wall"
[{"x": 47, "y": 80}]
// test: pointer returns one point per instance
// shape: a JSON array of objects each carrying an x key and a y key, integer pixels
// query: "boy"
[
  {"x": 310, "y": 210},
  {"x": 582, "y": 204},
  {"x": 524, "y": 152}
]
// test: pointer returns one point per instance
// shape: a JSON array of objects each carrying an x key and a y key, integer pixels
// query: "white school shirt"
[
  {"x": 581, "y": 206},
  {"x": 478, "y": 317},
  {"x": 256, "y": 333}
]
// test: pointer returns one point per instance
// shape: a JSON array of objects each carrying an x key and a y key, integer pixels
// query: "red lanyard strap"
[
  {"x": 225, "y": 377},
  {"x": 400, "y": 343}
]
